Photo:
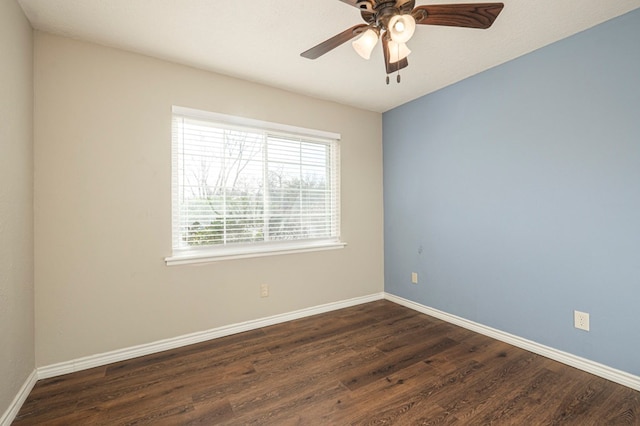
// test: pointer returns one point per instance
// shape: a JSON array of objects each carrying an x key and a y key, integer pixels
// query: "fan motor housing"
[{"x": 378, "y": 13}]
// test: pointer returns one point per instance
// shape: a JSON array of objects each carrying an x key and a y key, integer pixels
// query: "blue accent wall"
[{"x": 515, "y": 195}]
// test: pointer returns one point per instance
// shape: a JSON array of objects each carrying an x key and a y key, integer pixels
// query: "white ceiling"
[{"x": 261, "y": 40}]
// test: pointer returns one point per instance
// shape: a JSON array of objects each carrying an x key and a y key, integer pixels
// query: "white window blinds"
[{"x": 252, "y": 185}]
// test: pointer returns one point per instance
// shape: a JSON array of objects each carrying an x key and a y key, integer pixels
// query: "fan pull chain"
[
  {"x": 397, "y": 77},
  {"x": 398, "y": 65}
]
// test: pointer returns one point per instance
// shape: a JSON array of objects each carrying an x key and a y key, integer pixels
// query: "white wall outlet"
[
  {"x": 581, "y": 320},
  {"x": 414, "y": 277},
  {"x": 264, "y": 290}
]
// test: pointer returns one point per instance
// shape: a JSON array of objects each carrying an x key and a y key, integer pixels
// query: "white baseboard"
[
  {"x": 606, "y": 372},
  {"x": 189, "y": 339},
  {"x": 11, "y": 413}
]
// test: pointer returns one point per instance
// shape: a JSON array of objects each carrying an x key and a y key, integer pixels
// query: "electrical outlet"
[
  {"x": 581, "y": 320},
  {"x": 264, "y": 290},
  {"x": 414, "y": 277}
]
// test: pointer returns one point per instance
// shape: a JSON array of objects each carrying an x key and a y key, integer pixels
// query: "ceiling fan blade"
[
  {"x": 333, "y": 42},
  {"x": 391, "y": 67},
  {"x": 473, "y": 15}
]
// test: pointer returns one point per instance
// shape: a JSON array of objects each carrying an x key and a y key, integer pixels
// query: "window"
[{"x": 244, "y": 188}]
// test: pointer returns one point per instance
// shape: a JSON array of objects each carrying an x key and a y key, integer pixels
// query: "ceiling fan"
[{"x": 394, "y": 22}]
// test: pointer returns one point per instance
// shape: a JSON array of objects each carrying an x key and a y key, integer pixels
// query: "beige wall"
[
  {"x": 102, "y": 203},
  {"x": 16, "y": 202}
]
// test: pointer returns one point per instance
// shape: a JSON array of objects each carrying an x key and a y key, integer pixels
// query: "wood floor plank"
[
  {"x": 575, "y": 407},
  {"x": 50, "y": 398},
  {"x": 484, "y": 390},
  {"x": 517, "y": 403},
  {"x": 393, "y": 362},
  {"x": 395, "y": 387},
  {"x": 402, "y": 405},
  {"x": 376, "y": 363},
  {"x": 210, "y": 412}
]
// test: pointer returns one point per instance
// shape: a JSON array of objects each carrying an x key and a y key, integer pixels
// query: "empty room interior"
[{"x": 210, "y": 215}]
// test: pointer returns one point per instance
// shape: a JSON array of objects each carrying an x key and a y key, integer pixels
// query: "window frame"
[{"x": 213, "y": 253}]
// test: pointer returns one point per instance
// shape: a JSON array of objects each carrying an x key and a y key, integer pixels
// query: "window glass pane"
[{"x": 241, "y": 186}]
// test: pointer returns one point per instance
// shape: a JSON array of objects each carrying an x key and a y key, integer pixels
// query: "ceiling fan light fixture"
[
  {"x": 364, "y": 44},
  {"x": 394, "y": 22},
  {"x": 398, "y": 51},
  {"x": 401, "y": 27}
]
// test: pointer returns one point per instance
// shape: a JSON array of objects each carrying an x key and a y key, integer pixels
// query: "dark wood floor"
[{"x": 377, "y": 363}]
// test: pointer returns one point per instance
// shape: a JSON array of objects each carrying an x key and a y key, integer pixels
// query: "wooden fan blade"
[
  {"x": 333, "y": 42},
  {"x": 391, "y": 67},
  {"x": 473, "y": 15}
]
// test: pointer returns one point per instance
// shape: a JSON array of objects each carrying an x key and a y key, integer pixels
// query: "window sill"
[{"x": 243, "y": 252}]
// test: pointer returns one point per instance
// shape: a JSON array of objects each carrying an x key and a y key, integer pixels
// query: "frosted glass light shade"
[
  {"x": 397, "y": 51},
  {"x": 364, "y": 44},
  {"x": 401, "y": 28}
]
